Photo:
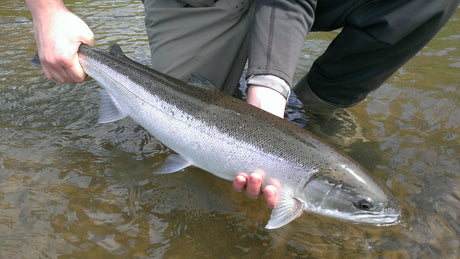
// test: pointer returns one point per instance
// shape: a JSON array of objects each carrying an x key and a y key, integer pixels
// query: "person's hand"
[
  {"x": 58, "y": 34},
  {"x": 267, "y": 99},
  {"x": 271, "y": 101},
  {"x": 253, "y": 184}
]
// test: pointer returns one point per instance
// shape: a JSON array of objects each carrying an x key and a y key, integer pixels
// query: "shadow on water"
[{"x": 72, "y": 187}]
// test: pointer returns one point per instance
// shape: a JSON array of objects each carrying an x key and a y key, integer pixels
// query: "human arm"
[
  {"x": 271, "y": 101},
  {"x": 277, "y": 38},
  {"x": 278, "y": 34},
  {"x": 58, "y": 34}
]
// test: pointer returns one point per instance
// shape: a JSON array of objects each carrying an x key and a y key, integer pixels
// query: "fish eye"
[{"x": 364, "y": 204}]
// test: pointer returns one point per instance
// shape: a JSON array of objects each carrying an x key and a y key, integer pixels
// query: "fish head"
[{"x": 346, "y": 192}]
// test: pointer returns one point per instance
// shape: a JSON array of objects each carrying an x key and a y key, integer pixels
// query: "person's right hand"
[
  {"x": 58, "y": 34},
  {"x": 253, "y": 184}
]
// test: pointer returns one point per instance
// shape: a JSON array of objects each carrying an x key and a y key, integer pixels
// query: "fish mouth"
[
  {"x": 388, "y": 216},
  {"x": 376, "y": 219}
]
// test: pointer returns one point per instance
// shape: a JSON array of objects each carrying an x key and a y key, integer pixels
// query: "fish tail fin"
[{"x": 36, "y": 60}]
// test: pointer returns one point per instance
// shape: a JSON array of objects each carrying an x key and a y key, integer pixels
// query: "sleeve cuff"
[{"x": 272, "y": 82}]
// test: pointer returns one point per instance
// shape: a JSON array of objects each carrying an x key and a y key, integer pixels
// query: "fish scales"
[{"x": 222, "y": 115}]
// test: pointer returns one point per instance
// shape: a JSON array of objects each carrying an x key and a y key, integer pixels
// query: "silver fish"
[{"x": 224, "y": 136}]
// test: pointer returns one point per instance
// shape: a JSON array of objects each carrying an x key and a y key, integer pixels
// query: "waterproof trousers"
[{"x": 215, "y": 38}]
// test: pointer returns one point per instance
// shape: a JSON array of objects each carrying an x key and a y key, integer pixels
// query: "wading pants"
[
  {"x": 214, "y": 38},
  {"x": 199, "y": 36}
]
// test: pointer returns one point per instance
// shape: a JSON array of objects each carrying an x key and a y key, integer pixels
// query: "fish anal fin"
[
  {"x": 109, "y": 109},
  {"x": 172, "y": 164},
  {"x": 286, "y": 210}
]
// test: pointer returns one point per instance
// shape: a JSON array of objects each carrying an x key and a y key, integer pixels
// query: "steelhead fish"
[{"x": 224, "y": 136}]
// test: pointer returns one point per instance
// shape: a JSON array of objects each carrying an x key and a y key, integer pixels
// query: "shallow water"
[{"x": 70, "y": 187}]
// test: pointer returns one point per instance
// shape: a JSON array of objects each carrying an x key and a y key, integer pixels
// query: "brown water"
[{"x": 70, "y": 187}]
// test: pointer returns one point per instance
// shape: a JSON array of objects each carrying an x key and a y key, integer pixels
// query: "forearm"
[
  {"x": 41, "y": 9},
  {"x": 277, "y": 38},
  {"x": 45, "y": 14}
]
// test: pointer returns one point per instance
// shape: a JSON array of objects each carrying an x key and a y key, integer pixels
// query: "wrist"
[
  {"x": 271, "y": 81},
  {"x": 267, "y": 99},
  {"x": 42, "y": 10}
]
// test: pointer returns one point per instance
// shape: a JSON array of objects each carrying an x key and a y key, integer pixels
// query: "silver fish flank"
[{"x": 224, "y": 136}]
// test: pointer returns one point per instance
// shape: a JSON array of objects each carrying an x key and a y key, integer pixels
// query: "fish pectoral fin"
[
  {"x": 172, "y": 164},
  {"x": 200, "y": 81},
  {"x": 109, "y": 109},
  {"x": 286, "y": 210}
]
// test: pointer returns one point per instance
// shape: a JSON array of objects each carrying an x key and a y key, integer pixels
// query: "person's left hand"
[{"x": 253, "y": 184}]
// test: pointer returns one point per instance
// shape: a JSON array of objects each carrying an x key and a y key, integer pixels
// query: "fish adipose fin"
[
  {"x": 286, "y": 210},
  {"x": 109, "y": 109},
  {"x": 172, "y": 164},
  {"x": 115, "y": 50},
  {"x": 201, "y": 81}
]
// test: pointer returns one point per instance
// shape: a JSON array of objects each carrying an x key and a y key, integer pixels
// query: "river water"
[{"x": 70, "y": 187}]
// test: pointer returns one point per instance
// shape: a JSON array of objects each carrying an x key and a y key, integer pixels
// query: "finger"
[
  {"x": 59, "y": 69},
  {"x": 239, "y": 182},
  {"x": 57, "y": 74},
  {"x": 271, "y": 195},
  {"x": 254, "y": 184},
  {"x": 79, "y": 75},
  {"x": 65, "y": 75},
  {"x": 75, "y": 72},
  {"x": 274, "y": 196}
]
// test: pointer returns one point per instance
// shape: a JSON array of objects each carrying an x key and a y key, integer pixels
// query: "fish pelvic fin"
[
  {"x": 286, "y": 210},
  {"x": 109, "y": 109},
  {"x": 172, "y": 164}
]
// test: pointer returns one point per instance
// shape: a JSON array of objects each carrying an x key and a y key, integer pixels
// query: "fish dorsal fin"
[
  {"x": 286, "y": 210},
  {"x": 172, "y": 164},
  {"x": 115, "y": 50},
  {"x": 109, "y": 109},
  {"x": 200, "y": 81}
]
